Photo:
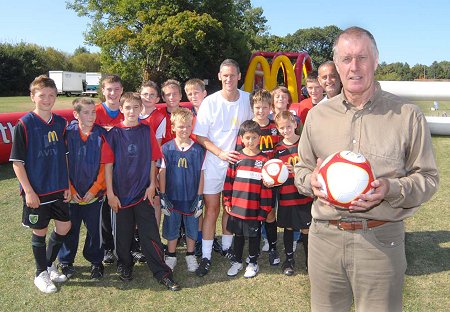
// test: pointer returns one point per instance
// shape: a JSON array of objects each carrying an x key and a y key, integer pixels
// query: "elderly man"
[
  {"x": 216, "y": 127},
  {"x": 329, "y": 79},
  {"x": 358, "y": 254}
]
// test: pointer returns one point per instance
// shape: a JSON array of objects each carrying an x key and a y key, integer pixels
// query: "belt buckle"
[{"x": 339, "y": 226}]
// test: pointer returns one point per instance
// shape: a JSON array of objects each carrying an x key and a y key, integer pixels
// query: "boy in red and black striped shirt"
[
  {"x": 294, "y": 209},
  {"x": 246, "y": 199}
]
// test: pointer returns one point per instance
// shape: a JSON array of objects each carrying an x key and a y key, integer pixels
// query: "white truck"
[
  {"x": 68, "y": 83},
  {"x": 92, "y": 83}
]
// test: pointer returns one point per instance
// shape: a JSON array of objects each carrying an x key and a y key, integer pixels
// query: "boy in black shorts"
[
  {"x": 246, "y": 199},
  {"x": 39, "y": 161},
  {"x": 130, "y": 174}
]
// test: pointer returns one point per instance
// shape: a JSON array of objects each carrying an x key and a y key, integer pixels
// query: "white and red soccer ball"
[
  {"x": 344, "y": 176},
  {"x": 275, "y": 172}
]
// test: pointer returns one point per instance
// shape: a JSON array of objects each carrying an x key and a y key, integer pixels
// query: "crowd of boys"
[{"x": 119, "y": 157}]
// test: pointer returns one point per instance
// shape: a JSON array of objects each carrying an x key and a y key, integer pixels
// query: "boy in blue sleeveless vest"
[
  {"x": 131, "y": 185},
  {"x": 181, "y": 186},
  {"x": 39, "y": 162},
  {"x": 85, "y": 142}
]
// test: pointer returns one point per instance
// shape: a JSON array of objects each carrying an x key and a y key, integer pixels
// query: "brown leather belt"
[{"x": 355, "y": 225}]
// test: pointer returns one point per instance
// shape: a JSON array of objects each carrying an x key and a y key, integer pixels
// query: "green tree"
[
  {"x": 21, "y": 63},
  {"x": 85, "y": 62},
  {"x": 148, "y": 39},
  {"x": 317, "y": 41}
]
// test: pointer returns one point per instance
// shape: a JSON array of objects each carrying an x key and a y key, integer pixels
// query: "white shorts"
[{"x": 215, "y": 174}]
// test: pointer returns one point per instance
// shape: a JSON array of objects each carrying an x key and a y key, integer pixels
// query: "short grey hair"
[{"x": 355, "y": 31}]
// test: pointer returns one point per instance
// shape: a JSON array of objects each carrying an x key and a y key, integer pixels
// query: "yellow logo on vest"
[
  {"x": 293, "y": 160},
  {"x": 182, "y": 163},
  {"x": 52, "y": 136},
  {"x": 267, "y": 141}
]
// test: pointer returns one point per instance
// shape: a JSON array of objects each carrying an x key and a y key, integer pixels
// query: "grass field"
[
  {"x": 427, "y": 285},
  {"x": 24, "y": 104}
]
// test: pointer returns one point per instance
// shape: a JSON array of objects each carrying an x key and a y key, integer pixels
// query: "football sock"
[
  {"x": 171, "y": 254},
  {"x": 239, "y": 241},
  {"x": 271, "y": 229},
  {"x": 288, "y": 239},
  {"x": 38, "y": 246},
  {"x": 253, "y": 249},
  {"x": 189, "y": 253},
  {"x": 227, "y": 240},
  {"x": 54, "y": 244},
  {"x": 207, "y": 248}
]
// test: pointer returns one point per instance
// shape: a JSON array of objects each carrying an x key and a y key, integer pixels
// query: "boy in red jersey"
[
  {"x": 131, "y": 185},
  {"x": 316, "y": 95},
  {"x": 108, "y": 115},
  {"x": 39, "y": 161},
  {"x": 171, "y": 94},
  {"x": 107, "y": 112},
  {"x": 85, "y": 141},
  {"x": 246, "y": 199},
  {"x": 150, "y": 115},
  {"x": 294, "y": 209}
]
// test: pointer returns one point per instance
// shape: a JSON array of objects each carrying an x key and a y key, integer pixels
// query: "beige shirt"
[{"x": 391, "y": 133}]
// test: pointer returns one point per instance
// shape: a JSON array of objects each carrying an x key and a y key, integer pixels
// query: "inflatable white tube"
[{"x": 419, "y": 90}]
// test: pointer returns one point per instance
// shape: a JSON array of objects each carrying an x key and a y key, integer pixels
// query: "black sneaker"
[
  {"x": 288, "y": 267},
  {"x": 109, "y": 257},
  {"x": 138, "y": 257},
  {"x": 97, "y": 271},
  {"x": 274, "y": 257},
  {"x": 227, "y": 254},
  {"x": 125, "y": 273},
  {"x": 170, "y": 284},
  {"x": 67, "y": 269},
  {"x": 203, "y": 267},
  {"x": 217, "y": 247},
  {"x": 198, "y": 248}
]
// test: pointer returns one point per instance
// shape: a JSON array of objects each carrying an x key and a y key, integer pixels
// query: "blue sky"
[{"x": 409, "y": 31}]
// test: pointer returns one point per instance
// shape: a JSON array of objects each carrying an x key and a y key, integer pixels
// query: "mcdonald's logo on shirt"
[
  {"x": 182, "y": 163},
  {"x": 52, "y": 136},
  {"x": 267, "y": 141},
  {"x": 293, "y": 160}
]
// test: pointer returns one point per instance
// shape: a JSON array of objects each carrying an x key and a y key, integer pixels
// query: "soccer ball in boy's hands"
[
  {"x": 274, "y": 172},
  {"x": 345, "y": 175}
]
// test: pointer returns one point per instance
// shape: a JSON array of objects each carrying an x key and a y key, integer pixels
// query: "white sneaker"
[
  {"x": 265, "y": 247},
  {"x": 294, "y": 246},
  {"x": 44, "y": 283},
  {"x": 251, "y": 270},
  {"x": 192, "y": 264},
  {"x": 235, "y": 268},
  {"x": 54, "y": 274},
  {"x": 171, "y": 262}
]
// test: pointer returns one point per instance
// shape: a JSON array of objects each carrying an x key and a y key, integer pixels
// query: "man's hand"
[
  {"x": 230, "y": 156},
  {"x": 367, "y": 201},
  {"x": 316, "y": 186}
]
